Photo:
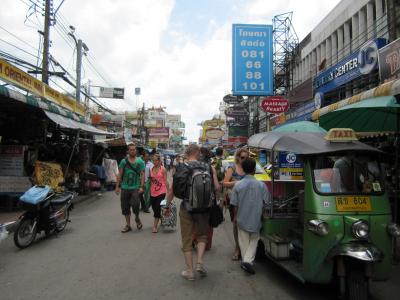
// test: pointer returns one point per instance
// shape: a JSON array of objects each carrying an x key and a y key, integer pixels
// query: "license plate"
[{"x": 353, "y": 203}]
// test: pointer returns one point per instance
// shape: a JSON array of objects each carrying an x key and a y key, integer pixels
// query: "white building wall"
[{"x": 350, "y": 24}]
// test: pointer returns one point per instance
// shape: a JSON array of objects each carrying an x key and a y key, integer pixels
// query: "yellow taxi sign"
[{"x": 341, "y": 135}]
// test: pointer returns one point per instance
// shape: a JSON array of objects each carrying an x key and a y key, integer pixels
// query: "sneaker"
[
  {"x": 187, "y": 275},
  {"x": 200, "y": 269},
  {"x": 248, "y": 267}
]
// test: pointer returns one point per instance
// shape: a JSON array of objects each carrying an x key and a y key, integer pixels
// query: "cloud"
[{"x": 139, "y": 44}]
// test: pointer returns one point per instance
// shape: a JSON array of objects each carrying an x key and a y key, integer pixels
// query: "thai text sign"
[
  {"x": 389, "y": 61},
  {"x": 252, "y": 60},
  {"x": 275, "y": 104},
  {"x": 359, "y": 63}
]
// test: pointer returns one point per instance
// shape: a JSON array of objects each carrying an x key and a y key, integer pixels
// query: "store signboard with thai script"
[{"x": 252, "y": 64}]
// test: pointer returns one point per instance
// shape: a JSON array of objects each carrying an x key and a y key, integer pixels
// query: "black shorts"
[{"x": 130, "y": 198}]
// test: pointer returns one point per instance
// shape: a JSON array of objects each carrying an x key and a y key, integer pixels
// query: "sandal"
[
  {"x": 154, "y": 230},
  {"x": 200, "y": 269},
  {"x": 126, "y": 229},
  {"x": 187, "y": 275},
  {"x": 139, "y": 225}
]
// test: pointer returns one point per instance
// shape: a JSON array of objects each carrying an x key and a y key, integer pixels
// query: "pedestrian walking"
[
  {"x": 249, "y": 197},
  {"x": 130, "y": 184},
  {"x": 168, "y": 163},
  {"x": 233, "y": 174},
  {"x": 194, "y": 210},
  {"x": 205, "y": 156},
  {"x": 158, "y": 189},
  {"x": 144, "y": 205},
  {"x": 146, "y": 195}
]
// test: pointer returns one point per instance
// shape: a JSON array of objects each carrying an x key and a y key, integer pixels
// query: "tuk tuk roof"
[{"x": 304, "y": 143}]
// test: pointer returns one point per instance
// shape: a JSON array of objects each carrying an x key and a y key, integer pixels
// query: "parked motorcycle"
[{"x": 45, "y": 211}]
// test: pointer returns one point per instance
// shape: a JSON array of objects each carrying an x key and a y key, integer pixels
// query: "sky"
[{"x": 179, "y": 52}]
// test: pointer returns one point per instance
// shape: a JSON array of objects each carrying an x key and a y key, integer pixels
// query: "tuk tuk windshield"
[{"x": 348, "y": 174}]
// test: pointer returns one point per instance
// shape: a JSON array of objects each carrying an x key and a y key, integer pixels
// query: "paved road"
[{"x": 93, "y": 260}]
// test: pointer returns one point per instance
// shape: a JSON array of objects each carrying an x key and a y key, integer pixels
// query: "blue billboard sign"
[
  {"x": 252, "y": 66},
  {"x": 353, "y": 66}
]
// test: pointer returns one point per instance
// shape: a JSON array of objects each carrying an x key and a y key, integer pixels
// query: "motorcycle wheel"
[
  {"x": 25, "y": 233},
  {"x": 357, "y": 285},
  {"x": 63, "y": 222}
]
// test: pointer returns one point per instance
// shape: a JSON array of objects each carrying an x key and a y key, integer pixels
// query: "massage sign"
[{"x": 275, "y": 104}]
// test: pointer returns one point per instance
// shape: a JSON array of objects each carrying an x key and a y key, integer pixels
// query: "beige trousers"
[{"x": 248, "y": 245}]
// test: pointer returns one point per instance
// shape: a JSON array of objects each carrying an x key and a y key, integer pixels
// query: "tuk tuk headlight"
[
  {"x": 360, "y": 229},
  {"x": 318, "y": 227},
  {"x": 393, "y": 229}
]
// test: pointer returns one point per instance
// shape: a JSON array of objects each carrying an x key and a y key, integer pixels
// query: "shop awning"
[
  {"x": 379, "y": 114},
  {"x": 71, "y": 124}
]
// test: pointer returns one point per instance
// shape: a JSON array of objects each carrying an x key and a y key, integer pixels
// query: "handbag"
[{"x": 216, "y": 215}]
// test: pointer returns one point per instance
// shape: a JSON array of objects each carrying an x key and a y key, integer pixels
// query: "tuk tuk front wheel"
[{"x": 357, "y": 285}]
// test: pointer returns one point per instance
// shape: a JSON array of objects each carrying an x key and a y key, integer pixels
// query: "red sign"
[
  {"x": 275, "y": 104},
  {"x": 238, "y": 139}
]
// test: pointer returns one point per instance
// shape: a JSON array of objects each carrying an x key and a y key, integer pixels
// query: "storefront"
[{"x": 33, "y": 131}]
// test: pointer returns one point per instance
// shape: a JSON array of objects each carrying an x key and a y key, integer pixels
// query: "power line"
[
  {"x": 4, "y": 41},
  {"x": 15, "y": 36}
]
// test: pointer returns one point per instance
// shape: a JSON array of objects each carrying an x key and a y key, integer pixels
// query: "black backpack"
[{"x": 192, "y": 182}]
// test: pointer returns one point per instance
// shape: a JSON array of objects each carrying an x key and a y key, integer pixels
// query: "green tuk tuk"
[{"x": 330, "y": 219}]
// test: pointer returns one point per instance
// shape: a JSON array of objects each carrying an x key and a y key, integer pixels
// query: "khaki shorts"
[{"x": 192, "y": 224}]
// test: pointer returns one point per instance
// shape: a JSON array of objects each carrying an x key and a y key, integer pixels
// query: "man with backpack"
[
  {"x": 130, "y": 183},
  {"x": 193, "y": 182}
]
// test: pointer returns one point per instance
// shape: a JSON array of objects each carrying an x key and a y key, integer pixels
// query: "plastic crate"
[{"x": 277, "y": 247}]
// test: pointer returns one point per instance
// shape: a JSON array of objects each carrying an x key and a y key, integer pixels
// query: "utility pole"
[
  {"x": 46, "y": 42},
  {"x": 79, "y": 46},
  {"x": 78, "y": 70}
]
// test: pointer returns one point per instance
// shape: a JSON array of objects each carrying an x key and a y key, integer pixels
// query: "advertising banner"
[
  {"x": 252, "y": 60},
  {"x": 275, "y": 104},
  {"x": 389, "y": 61},
  {"x": 12, "y": 160},
  {"x": 230, "y": 99},
  {"x": 214, "y": 133},
  {"x": 117, "y": 93},
  {"x": 236, "y": 111},
  {"x": 237, "y": 140},
  {"x": 23, "y": 80},
  {"x": 290, "y": 168},
  {"x": 156, "y": 133},
  {"x": 214, "y": 123},
  {"x": 359, "y": 63}
]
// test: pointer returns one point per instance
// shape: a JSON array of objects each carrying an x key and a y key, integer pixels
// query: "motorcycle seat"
[{"x": 61, "y": 198}]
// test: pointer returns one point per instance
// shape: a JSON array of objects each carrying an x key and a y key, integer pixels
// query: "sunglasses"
[{"x": 243, "y": 157}]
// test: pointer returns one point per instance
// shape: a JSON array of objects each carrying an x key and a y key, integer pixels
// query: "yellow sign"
[
  {"x": 353, "y": 203},
  {"x": 14, "y": 75},
  {"x": 213, "y": 123},
  {"x": 341, "y": 135},
  {"x": 25, "y": 81},
  {"x": 48, "y": 174}
]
